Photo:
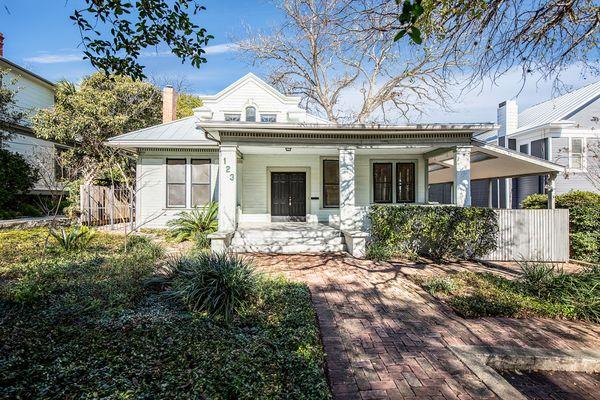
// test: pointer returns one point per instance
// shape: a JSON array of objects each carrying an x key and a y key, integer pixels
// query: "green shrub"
[
  {"x": 437, "y": 232},
  {"x": 377, "y": 252},
  {"x": 198, "y": 222},
  {"x": 77, "y": 237},
  {"x": 535, "y": 201},
  {"x": 218, "y": 284},
  {"x": 538, "y": 278},
  {"x": 145, "y": 244},
  {"x": 18, "y": 177}
]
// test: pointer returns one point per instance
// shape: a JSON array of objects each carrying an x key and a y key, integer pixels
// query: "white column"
[
  {"x": 550, "y": 188},
  {"x": 490, "y": 193},
  {"x": 462, "y": 176},
  {"x": 347, "y": 187},
  {"x": 426, "y": 166},
  {"x": 227, "y": 188}
]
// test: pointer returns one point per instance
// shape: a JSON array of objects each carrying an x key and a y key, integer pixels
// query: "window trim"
[
  {"x": 583, "y": 154},
  {"x": 185, "y": 180},
  {"x": 323, "y": 160},
  {"x": 414, "y": 182},
  {"x": 209, "y": 183},
  {"x": 391, "y": 164}
]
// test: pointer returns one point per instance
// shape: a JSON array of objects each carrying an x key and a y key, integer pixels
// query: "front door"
[{"x": 288, "y": 196}]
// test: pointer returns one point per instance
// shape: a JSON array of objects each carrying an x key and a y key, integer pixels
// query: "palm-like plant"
[
  {"x": 197, "y": 222},
  {"x": 76, "y": 237}
]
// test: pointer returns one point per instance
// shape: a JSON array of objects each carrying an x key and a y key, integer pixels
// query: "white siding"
[
  {"x": 39, "y": 153},
  {"x": 151, "y": 197},
  {"x": 32, "y": 95}
]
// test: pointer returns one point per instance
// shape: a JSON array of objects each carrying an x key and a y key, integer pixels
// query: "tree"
[
  {"x": 326, "y": 51},
  {"x": 186, "y": 103},
  {"x": 99, "y": 108},
  {"x": 10, "y": 114},
  {"x": 545, "y": 36},
  {"x": 114, "y": 32},
  {"x": 18, "y": 177}
]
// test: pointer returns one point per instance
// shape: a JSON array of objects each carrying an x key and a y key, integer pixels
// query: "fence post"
[
  {"x": 111, "y": 213},
  {"x": 131, "y": 213}
]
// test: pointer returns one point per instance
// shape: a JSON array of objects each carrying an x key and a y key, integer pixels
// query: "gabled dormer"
[{"x": 250, "y": 99}]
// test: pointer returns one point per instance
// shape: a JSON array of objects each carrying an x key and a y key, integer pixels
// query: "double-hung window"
[
  {"x": 200, "y": 182},
  {"x": 250, "y": 114},
  {"x": 576, "y": 155},
  {"x": 331, "y": 183},
  {"x": 394, "y": 182},
  {"x": 405, "y": 182},
  {"x": 382, "y": 182},
  {"x": 176, "y": 177}
]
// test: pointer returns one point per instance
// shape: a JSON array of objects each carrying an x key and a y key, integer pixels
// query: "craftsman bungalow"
[{"x": 265, "y": 160}]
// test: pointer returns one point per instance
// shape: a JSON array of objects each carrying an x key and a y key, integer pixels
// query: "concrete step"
[
  {"x": 239, "y": 240},
  {"x": 288, "y": 249}
]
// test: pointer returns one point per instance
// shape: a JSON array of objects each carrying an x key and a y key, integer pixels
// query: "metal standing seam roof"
[
  {"x": 559, "y": 108},
  {"x": 181, "y": 130}
]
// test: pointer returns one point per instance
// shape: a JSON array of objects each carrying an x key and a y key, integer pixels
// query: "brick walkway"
[{"x": 385, "y": 338}]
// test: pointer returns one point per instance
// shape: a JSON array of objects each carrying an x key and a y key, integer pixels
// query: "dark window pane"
[
  {"x": 200, "y": 195},
  {"x": 405, "y": 182},
  {"x": 382, "y": 182},
  {"x": 331, "y": 183},
  {"x": 268, "y": 118},
  {"x": 232, "y": 117},
  {"x": 201, "y": 171},
  {"x": 176, "y": 170},
  {"x": 250, "y": 114},
  {"x": 176, "y": 195}
]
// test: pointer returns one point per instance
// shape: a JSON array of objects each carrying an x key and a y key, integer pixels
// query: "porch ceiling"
[{"x": 489, "y": 161}]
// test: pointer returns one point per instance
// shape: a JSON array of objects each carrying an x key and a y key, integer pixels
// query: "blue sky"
[{"x": 40, "y": 36}]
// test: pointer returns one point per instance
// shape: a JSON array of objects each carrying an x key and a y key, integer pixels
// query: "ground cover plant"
[
  {"x": 542, "y": 290},
  {"x": 94, "y": 323}
]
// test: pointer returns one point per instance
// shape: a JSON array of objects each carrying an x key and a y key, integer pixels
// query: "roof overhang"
[
  {"x": 345, "y": 134},
  {"x": 488, "y": 161}
]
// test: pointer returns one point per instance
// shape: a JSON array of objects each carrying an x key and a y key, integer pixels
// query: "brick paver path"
[{"x": 385, "y": 338}]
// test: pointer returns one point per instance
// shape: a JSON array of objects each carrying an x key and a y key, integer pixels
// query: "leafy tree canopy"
[
  {"x": 99, "y": 108},
  {"x": 10, "y": 114},
  {"x": 115, "y": 32},
  {"x": 186, "y": 103}
]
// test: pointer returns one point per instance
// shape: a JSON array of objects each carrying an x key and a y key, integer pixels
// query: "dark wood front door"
[{"x": 288, "y": 196}]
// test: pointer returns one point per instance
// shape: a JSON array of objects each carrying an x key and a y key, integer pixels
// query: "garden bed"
[
  {"x": 539, "y": 291},
  {"x": 90, "y": 325}
]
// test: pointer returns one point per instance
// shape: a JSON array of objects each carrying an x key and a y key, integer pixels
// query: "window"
[
  {"x": 176, "y": 182},
  {"x": 524, "y": 148},
  {"x": 232, "y": 117},
  {"x": 576, "y": 153},
  {"x": 268, "y": 118},
  {"x": 382, "y": 182},
  {"x": 250, "y": 114},
  {"x": 405, "y": 182},
  {"x": 331, "y": 183},
  {"x": 200, "y": 182}
]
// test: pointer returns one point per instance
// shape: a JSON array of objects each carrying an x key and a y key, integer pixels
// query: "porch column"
[
  {"x": 550, "y": 188},
  {"x": 462, "y": 176},
  {"x": 347, "y": 185},
  {"x": 227, "y": 188}
]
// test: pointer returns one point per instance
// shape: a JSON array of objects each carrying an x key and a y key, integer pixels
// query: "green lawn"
[{"x": 91, "y": 325}]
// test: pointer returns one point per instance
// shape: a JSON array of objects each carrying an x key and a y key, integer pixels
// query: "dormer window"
[{"x": 250, "y": 114}]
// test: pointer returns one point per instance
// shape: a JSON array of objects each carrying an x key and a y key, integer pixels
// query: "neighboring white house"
[
  {"x": 265, "y": 159},
  {"x": 560, "y": 130},
  {"x": 33, "y": 93}
]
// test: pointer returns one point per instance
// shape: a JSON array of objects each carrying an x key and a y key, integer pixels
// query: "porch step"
[{"x": 287, "y": 238}]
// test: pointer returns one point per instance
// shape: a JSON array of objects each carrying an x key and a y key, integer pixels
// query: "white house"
[
  {"x": 264, "y": 159},
  {"x": 561, "y": 130},
  {"x": 33, "y": 93}
]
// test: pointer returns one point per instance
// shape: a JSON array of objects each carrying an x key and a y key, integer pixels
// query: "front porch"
[{"x": 329, "y": 177}]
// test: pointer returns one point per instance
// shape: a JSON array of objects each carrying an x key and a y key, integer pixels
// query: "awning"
[{"x": 489, "y": 161}]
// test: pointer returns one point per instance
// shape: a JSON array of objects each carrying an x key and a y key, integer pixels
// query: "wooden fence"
[
  {"x": 532, "y": 235},
  {"x": 104, "y": 205}
]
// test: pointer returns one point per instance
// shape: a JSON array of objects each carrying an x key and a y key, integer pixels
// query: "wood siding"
[{"x": 532, "y": 235}]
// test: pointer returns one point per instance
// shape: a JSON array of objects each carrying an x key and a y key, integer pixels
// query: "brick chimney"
[
  {"x": 1, "y": 45},
  {"x": 169, "y": 110}
]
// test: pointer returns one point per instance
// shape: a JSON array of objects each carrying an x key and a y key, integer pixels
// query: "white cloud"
[
  {"x": 54, "y": 58},
  {"x": 210, "y": 50}
]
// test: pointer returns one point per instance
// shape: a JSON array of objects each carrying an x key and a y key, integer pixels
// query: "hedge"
[
  {"x": 584, "y": 221},
  {"x": 437, "y": 232}
]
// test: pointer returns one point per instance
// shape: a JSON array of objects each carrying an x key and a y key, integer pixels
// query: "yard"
[{"x": 95, "y": 323}]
